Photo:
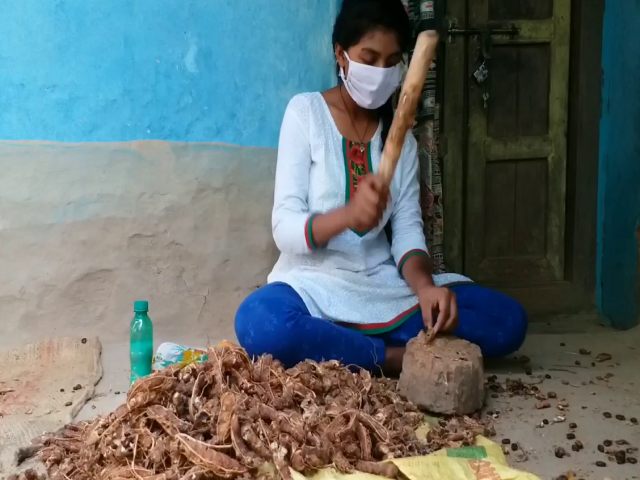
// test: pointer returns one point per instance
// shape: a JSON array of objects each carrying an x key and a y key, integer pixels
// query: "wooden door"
[
  {"x": 517, "y": 153},
  {"x": 506, "y": 167}
]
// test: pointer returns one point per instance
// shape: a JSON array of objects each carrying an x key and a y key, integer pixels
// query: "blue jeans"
[{"x": 275, "y": 320}]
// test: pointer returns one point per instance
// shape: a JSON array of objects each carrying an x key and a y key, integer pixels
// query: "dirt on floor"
[{"x": 588, "y": 409}]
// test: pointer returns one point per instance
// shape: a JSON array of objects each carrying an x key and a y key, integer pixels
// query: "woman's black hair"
[{"x": 359, "y": 17}]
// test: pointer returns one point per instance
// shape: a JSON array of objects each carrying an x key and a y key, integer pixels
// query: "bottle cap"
[{"x": 141, "y": 306}]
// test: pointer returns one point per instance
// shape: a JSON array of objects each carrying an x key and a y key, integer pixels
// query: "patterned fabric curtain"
[{"x": 427, "y": 131}]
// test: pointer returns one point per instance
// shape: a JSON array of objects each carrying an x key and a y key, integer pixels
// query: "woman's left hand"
[{"x": 439, "y": 309}]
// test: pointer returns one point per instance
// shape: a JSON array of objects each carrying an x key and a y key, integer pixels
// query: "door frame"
[{"x": 577, "y": 292}]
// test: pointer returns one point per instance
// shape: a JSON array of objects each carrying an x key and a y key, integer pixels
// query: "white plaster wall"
[{"x": 87, "y": 228}]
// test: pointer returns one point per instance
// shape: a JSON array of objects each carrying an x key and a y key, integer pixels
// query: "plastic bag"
[
  {"x": 171, "y": 353},
  {"x": 484, "y": 461}
]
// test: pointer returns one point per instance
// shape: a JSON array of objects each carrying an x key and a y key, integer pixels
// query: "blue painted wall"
[
  {"x": 190, "y": 70},
  {"x": 619, "y": 176}
]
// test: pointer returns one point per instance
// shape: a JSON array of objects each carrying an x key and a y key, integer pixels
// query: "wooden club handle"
[{"x": 410, "y": 94}]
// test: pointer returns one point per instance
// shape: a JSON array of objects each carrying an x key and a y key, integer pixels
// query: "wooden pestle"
[
  {"x": 410, "y": 94},
  {"x": 404, "y": 117}
]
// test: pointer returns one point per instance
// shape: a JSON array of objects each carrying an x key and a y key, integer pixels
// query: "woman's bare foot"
[{"x": 393, "y": 361}]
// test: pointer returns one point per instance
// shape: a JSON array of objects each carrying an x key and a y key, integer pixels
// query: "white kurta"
[{"x": 355, "y": 278}]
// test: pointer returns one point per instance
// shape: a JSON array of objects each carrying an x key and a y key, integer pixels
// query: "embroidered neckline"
[{"x": 357, "y": 164}]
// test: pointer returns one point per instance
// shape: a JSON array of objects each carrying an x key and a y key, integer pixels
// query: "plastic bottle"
[{"x": 141, "y": 341}]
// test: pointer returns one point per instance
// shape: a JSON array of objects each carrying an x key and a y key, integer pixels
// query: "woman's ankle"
[{"x": 393, "y": 361}]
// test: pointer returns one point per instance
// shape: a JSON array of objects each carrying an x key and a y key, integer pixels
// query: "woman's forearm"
[
  {"x": 363, "y": 212},
  {"x": 328, "y": 225},
  {"x": 417, "y": 272}
]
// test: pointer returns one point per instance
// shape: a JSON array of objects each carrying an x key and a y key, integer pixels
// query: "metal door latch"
[{"x": 501, "y": 30}]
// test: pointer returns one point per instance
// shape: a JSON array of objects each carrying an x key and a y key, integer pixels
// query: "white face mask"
[{"x": 370, "y": 87}]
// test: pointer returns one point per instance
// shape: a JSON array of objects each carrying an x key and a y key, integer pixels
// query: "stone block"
[{"x": 445, "y": 376}]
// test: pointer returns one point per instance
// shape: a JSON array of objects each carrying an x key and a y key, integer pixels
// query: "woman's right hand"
[{"x": 366, "y": 208}]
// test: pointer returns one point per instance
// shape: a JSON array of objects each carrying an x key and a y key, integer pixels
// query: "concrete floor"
[
  {"x": 589, "y": 394},
  {"x": 586, "y": 389}
]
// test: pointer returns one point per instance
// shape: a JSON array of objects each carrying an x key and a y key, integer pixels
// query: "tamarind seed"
[
  {"x": 620, "y": 457},
  {"x": 620, "y": 417},
  {"x": 571, "y": 436},
  {"x": 560, "y": 452},
  {"x": 634, "y": 420},
  {"x": 600, "y": 463},
  {"x": 573, "y": 425},
  {"x": 506, "y": 441},
  {"x": 577, "y": 362},
  {"x": 606, "y": 414},
  {"x": 552, "y": 394},
  {"x": 545, "y": 421},
  {"x": 632, "y": 460},
  {"x": 601, "y": 448},
  {"x": 547, "y": 376},
  {"x": 607, "y": 443},
  {"x": 514, "y": 446}
]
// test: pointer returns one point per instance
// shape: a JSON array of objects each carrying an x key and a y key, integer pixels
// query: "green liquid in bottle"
[{"x": 141, "y": 341}]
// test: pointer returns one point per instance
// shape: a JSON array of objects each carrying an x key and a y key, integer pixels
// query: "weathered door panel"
[
  {"x": 515, "y": 178},
  {"x": 519, "y": 196}
]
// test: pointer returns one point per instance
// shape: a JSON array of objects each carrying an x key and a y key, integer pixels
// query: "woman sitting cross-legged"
[{"x": 340, "y": 289}]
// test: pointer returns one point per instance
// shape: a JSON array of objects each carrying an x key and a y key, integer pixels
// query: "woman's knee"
[
  {"x": 499, "y": 320},
  {"x": 513, "y": 330},
  {"x": 261, "y": 321},
  {"x": 509, "y": 324}
]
